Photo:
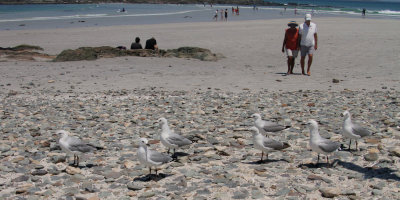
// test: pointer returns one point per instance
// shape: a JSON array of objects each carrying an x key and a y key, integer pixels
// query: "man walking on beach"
[{"x": 308, "y": 42}]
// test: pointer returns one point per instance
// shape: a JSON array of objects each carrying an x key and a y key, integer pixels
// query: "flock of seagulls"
[{"x": 171, "y": 140}]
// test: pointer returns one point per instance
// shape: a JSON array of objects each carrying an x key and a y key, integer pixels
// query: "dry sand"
[{"x": 361, "y": 53}]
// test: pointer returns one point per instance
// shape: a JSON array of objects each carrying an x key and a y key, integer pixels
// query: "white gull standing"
[
  {"x": 73, "y": 145},
  {"x": 170, "y": 139},
  {"x": 266, "y": 144},
  {"x": 267, "y": 126},
  {"x": 353, "y": 131},
  {"x": 149, "y": 157},
  {"x": 320, "y": 144}
]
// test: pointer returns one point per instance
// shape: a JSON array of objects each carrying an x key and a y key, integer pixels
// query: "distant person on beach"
[
  {"x": 226, "y": 14},
  {"x": 216, "y": 15},
  {"x": 233, "y": 10},
  {"x": 308, "y": 42},
  {"x": 151, "y": 44},
  {"x": 363, "y": 12},
  {"x": 136, "y": 44},
  {"x": 237, "y": 10},
  {"x": 222, "y": 14},
  {"x": 290, "y": 44}
]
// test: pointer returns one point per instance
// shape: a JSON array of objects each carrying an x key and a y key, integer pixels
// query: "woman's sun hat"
[{"x": 292, "y": 23}]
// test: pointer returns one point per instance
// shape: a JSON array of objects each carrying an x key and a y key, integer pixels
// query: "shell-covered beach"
[{"x": 222, "y": 162}]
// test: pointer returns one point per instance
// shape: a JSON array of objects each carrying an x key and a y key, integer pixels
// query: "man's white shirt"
[{"x": 307, "y": 34}]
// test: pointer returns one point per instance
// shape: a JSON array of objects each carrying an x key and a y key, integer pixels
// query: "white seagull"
[
  {"x": 170, "y": 139},
  {"x": 267, "y": 126},
  {"x": 73, "y": 145},
  {"x": 266, "y": 144},
  {"x": 353, "y": 131},
  {"x": 149, "y": 157},
  {"x": 320, "y": 144}
]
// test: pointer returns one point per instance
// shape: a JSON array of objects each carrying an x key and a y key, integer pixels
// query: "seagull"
[
  {"x": 353, "y": 131},
  {"x": 169, "y": 138},
  {"x": 150, "y": 157},
  {"x": 73, "y": 145},
  {"x": 267, "y": 126},
  {"x": 319, "y": 144},
  {"x": 266, "y": 144}
]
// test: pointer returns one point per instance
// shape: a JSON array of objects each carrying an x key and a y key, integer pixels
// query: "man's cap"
[
  {"x": 292, "y": 23},
  {"x": 308, "y": 17}
]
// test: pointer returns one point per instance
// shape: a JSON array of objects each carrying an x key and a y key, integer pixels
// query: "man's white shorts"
[{"x": 290, "y": 52}]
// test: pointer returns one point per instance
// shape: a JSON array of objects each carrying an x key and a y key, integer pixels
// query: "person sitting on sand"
[
  {"x": 136, "y": 44},
  {"x": 290, "y": 44},
  {"x": 151, "y": 44}
]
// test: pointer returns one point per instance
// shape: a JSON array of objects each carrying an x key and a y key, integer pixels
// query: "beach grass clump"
[
  {"x": 23, "y": 47},
  {"x": 193, "y": 52},
  {"x": 89, "y": 53},
  {"x": 93, "y": 53}
]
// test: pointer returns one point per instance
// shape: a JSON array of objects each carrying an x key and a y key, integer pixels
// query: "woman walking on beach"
[
  {"x": 216, "y": 15},
  {"x": 290, "y": 44}
]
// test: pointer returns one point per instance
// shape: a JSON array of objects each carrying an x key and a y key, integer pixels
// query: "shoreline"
[{"x": 109, "y": 15}]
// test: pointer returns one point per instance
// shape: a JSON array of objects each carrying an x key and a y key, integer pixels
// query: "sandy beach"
[
  {"x": 112, "y": 102},
  {"x": 360, "y": 53}
]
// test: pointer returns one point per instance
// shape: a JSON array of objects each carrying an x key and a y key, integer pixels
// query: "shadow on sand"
[
  {"x": 152, "y": 177},
  {"x": 371, "y": 172},
  {"x": 368, "y": 172},
  {"x": 315, "y": 165},
  {"x": 265, "y": 161},
  {"x": 89, "y": 165},
  {"x": 179, "y": 154},
  {"x": 285, "y": 74}
]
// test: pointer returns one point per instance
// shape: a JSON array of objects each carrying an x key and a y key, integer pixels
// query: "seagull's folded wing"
[
  {"x": 273, "y": 144},
  {"x": 328, "y": 146},
  {"x": 75, "y": 144},
  {"x": 84, "y": 148},
  {"x": 156, "y": 156},
  {"x": 359, "y": 130},
  {"x": 178, "y": 139},
  {"x": 272, "y": 127}
]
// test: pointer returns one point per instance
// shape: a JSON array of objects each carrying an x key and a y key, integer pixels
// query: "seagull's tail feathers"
[
  {"x": 96, "y": 147},
  {"x": 186, "y": 142},
  {"x": 285, "y": 145}
]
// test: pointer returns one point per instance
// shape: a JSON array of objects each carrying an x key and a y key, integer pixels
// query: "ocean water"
[
  {"x": 15, "y": 17},
  {"x": 388, "y": 8}
]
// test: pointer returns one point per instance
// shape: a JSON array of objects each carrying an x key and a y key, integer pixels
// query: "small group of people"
[
  {"x": 224, "y": 15},
  {"x": 150, "y": 44},
  {"x": 305, "y": 39},
  {"x": 235, "y": 10}
]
